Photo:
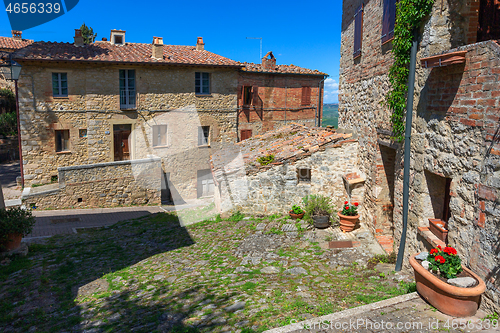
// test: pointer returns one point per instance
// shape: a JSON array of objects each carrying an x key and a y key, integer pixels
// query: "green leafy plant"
[
  {"x": 316, "y": 205},
  {"x": 8, "y": 124},
  {"x": 446, "y": 261},
  {"x": 350, "y": 210},
  {"x": 15, "y": 221},
  {"x": 297, "y": 210},
  {"x": 409, "y": 16},
  {"x": 87, "y": 34},
  {"x": 7, "y": 100},
  {"x": 236, "y": 217},
  {"x": 265, "y": 160}
]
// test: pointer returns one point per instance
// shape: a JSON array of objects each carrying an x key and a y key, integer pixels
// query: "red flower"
[
  {"x": 356, "y": 204},
  {"x": 449, "y": 250},
  {"x": 434, "y": 251},
  {"x": 346, "y": 207},
  {"x": 345, "y": 203},
  {"x": 439, "y": 247},
  {"x": 440, "y": 259}
]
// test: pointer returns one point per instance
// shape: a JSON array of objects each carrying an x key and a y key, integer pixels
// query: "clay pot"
[
  {"x": 13, "y": 242},
  {"x": 450, "y": 300},
  {"x": 321, "y": 222},
  {"x": 296, "y": 216},
  {"x": 348, "y": 223}
]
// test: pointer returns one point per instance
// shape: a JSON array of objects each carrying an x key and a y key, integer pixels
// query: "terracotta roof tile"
[
  {"x": 283, "y": 69},
  {"x": 292, "y": 142},
  {"x": 9, "y": 43},
  {"x": 129, "y": 53}
]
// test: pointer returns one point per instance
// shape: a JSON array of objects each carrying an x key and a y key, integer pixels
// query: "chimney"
[
  {"x": 157, "y": 48},
  {"x": 200, "y": 46},
  {"x": 78, "y": 38},
  {"x": 269, "y": 61},
  {"x": 17, "y": 34},
  {"x": 104, "y": 39}
]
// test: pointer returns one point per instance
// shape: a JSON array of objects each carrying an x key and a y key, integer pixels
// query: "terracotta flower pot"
[
  {"x": 451, "y": 300},
  {"x": 296, "y": 216},
  {"x": 348, "y": 223},
  {"x": 13, "y": 241}
]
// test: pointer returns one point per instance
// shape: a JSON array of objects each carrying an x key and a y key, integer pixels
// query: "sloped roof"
[
  {"x": 103, "y": 51},
  {"x": 9, "y": 43},
  {"x": 289, "y": 143},
  {"x": 280, "y": 69}
]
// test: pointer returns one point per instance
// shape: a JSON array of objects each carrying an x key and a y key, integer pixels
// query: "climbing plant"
[{"x": 409, "y": 16}]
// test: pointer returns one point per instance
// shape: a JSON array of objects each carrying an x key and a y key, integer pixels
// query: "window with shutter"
[
  {"x": 306, "y": 96},
  {"x": 358, "y": 31},
  {"x": 388, "y": 20},
  {"x": 255, "y": 96},
  {"x": 245, "y": 134},
  {"x": 247, "y": 95}
]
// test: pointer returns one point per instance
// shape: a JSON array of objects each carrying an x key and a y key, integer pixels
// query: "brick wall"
[{"x": 279, "y": 101}]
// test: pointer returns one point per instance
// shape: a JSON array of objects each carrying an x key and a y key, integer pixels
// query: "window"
[
  {"x": 306, "y": 96},
  {"x": 245, "y": 134},
  {"x": 202, "y": 83},
  {"x": 127, "y": 89},
  {"x": 118, "y": 39},
  {"x": 203, "y": 135},
  {"x": 62, "y": 140},
  {"x": 247, "y": 95},
  {"x": 304, "y": 175},
  {"x": 82, "y": 133},
  {"x": 59, "y": 84},
  {"x": 205, "y": 183},
  {"x": 388, "y": 20},
  {"x": 159, "y": 135},
  {"x": 358, "y": 31}
]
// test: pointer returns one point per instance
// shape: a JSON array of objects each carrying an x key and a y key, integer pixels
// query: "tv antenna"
[{"x": 260, "y": 44}]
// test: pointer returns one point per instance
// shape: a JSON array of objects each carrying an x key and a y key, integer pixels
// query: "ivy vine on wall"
[{"x": 409, "y": 15}]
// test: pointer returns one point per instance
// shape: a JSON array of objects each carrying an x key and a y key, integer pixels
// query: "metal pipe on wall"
[{"x": 320, "y": 105}]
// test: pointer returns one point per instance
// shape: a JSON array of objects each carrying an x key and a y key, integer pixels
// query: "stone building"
[
  {"x": 8, "y": 45},
  {"x": 307, "y": 160},
  {"x": 455, "y": 155},
  {"x": 112, "y": 101},
  {"x": 270, "y": 96}
]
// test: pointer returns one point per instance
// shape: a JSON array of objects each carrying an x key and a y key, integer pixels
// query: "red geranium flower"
[
  {"x": 345, "y": 203},
  {"x": 449, "y": 250},
  {"x": 439, "y": 247},
  {"x": 356, "y": 204},
  {"x": 433, "y": 251},
  {"x": 346, "y": 207},
  {"x": 440, "y": 259}
]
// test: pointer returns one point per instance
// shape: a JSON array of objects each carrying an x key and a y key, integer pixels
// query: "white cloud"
[{"x": 331, "y": 91}]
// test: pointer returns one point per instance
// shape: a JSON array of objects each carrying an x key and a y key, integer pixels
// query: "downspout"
[
  {"x": 406, "y": 173},
  {"x": 286, "y": 97},
  {"x": 320, "y": 105}
]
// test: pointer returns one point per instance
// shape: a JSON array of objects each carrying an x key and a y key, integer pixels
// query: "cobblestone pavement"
[
  {"x": 153, "y": 275},
  {"x": 57, "y": 222}
]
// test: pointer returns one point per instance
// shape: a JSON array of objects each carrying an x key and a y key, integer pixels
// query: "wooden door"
[
  {"x": 245, "y": 134},
  {"x": 121, "y": 136}
]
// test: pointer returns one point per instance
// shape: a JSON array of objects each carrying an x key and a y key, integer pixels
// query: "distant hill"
[{"x": 330, "y": 114}]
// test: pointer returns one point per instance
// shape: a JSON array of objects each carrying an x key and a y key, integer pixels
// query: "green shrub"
[
  {"x": 265, "y": 160},
  {"x": 8, "y": 124},
  {"x": 7, "y": 100},
  {"x": 297, "y": 210},
  {"x": 15, "y": 220},
  {"x": 317, "y": 205}
]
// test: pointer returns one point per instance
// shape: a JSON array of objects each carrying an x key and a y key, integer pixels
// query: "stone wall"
[
  {"x": 279, "y": 101},
  {"x": 276, "y": 188},
  {"x": 93, "y": 105},
  {"x": 101, "y": 185},
  {"x": 455, "y": 120}
]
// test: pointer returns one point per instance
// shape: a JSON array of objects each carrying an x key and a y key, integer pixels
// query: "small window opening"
[
  {"x": 80, "y": 199},
  {"x": 304, "y": 175},
  {"x": 53, "y": 179},
  {"x": 247, "y": 95},
  {"x": 118, "y": 39}
]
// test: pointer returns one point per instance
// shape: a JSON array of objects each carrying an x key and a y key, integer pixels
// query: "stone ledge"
[
  {"x": 430, "y": 237},
  {"x": 98, "y": 165}
]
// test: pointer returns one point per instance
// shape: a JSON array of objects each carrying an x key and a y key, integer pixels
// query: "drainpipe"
[
  {"x": 286, "y": 96},
  {"x": 406, "y": 174},
  {"x": 320, "y": 105}
]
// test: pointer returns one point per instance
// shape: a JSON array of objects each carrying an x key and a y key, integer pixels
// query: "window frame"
[
  {"x": 388, "y": 21},
  {"x": 131, "y": 92},
  {"x": 199, "y": 79},
  {"x": 59, "y": 82},
  {"x": 307, "y": 178},
  {"x": 202, "y": 139},
  {"x": 158, "y": 132},
  {"x": 64, "y": 141}
]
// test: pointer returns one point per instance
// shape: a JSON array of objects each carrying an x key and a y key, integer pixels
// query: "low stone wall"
[
  {"x": 101, "y": 185},
  {"x": 9, "y": 149},
  {"x": 276, "y": 189}
]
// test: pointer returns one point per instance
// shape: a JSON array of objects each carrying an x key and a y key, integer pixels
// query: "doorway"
[
  {"x": 205, "y": 183},
  {"x": 121, "y": 136}
]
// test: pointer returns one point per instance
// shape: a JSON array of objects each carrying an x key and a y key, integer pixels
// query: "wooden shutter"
[
  {"x": 306, "y": 96},
  {"x": 489, "y": 20},
  {"x": 240, "y": 95},
  {"x": 388, "y": 20},
  {"x": 358, "y": 31},
  {"x": 255, "y": 96},
  {"x": 245, "y": 134}
]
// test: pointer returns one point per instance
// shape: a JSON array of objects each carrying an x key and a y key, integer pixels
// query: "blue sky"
[{"x": 305, "y": 34}]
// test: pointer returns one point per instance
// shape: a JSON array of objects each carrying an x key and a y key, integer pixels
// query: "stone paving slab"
[
  {"x": 68, "y": 221},
  {"x": 406, "y": 313}
]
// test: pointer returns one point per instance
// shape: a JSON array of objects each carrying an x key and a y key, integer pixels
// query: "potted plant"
[
  {"x": 445, "y": 283},
  {"x": 14, "y": 224},
  {"x": 296, "y": 213},
  {"x": 318, "y": 209},
  {"x": 349, "y": 216}
]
